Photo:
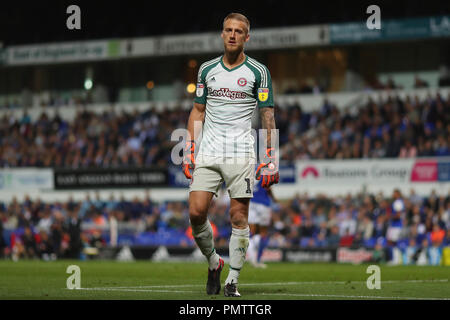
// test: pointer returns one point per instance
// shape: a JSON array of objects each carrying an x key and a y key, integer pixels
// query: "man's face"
[{"x": 234, "y": 35}]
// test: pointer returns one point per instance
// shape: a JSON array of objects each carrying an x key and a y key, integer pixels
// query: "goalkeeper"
[{"x": 229, "y": 88}]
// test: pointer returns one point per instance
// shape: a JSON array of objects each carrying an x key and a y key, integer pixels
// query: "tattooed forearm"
[{"x": 268, "y": 122}]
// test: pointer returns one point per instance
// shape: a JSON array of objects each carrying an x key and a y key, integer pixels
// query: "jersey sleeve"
[
  {"x": 264, "y": 91},
  {"x": 201, "y": 91}
]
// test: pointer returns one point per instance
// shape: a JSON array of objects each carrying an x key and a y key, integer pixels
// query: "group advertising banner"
[{"x": 375, "y": 172}]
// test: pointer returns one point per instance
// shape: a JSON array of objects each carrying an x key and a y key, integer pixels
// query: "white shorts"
[
  {"x": 259, "y": 214},
  {"x": 237, "y": 173}
]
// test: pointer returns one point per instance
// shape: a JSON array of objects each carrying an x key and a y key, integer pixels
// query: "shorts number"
[{"x": 248, "y": 185}]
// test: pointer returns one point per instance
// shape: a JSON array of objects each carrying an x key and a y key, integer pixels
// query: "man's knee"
[
  {"x": 197, "y": 215},
  {"x": 198, "y": 208}
]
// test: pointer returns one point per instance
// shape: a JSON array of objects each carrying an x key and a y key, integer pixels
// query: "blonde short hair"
[{"x": 240, "y": 17}]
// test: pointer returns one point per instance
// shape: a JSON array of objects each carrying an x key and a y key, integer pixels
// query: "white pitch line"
[
  {"x": 346, "y": 296},
  {"x": 271, "y": 294},
  {"x": 136, "y": 290},
  {"x": 276, "y": 284}
]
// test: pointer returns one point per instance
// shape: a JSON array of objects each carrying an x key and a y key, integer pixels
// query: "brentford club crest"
[{"x": 242, "y": 82}]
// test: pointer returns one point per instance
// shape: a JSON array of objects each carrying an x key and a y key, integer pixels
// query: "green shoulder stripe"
[
  {"x": 256, "y": 72},
  {"x": 265, "y": 78},
  {"x": 205, "y": 67}
]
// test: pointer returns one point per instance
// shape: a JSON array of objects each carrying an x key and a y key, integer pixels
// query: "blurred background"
[{"x": 86, "y": 118}]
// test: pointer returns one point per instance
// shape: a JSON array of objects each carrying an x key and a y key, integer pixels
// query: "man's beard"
[{"x": 233, "y": 49}]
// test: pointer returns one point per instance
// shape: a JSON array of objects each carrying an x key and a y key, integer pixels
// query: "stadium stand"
[
  {"x": 397, "y": 127},
  {"x": 35, "y": 228}
]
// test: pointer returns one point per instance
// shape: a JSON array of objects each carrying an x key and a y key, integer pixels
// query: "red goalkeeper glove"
[
  {"x": 268, "y": 170},
  {"x": 189, "y": 159}
]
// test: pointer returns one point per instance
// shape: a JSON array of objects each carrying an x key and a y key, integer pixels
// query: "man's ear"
[{"x": 247, "y": 37}]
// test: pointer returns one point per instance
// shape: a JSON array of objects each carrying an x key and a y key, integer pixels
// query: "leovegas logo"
[
  {"x": 424, "y": 171},
  {"x": 226, "y": 92},
  {"x": 310, "y": 171}
]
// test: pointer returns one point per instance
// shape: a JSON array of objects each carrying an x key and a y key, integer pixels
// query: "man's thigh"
[
  {"x": 239, "y": 177},
  {"x": 206, "y": 176}
]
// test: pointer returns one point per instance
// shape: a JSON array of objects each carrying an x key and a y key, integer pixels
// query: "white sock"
[
  {"x": 239, "y": 242},
  {"x": 203, "y": 235}
]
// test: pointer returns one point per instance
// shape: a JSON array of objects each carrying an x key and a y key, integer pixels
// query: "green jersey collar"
[{"x": 223, "y": 65}]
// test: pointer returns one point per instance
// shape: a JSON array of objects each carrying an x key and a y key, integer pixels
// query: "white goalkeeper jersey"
[{"x": 231, "y": 96}]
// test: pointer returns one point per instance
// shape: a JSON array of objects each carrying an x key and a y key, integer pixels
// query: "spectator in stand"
[
  {"x": 319, "y": 218},
  {"x": 365, "y": 228},
  {"x": 419, "y": 83},
  {"x": 378, "y": 150},
  {"x": 379, "y": 256},
  {"x": 307, "y": 229},
  {"x": 409, "y": 254},
  {"x": 442, "y": 146},
  {"x": 408, "y": 150},
  {"x": 423, "y": 255},
  {"x": 56, "y": 235},
  {"x": 96, "y": 240},
  {"x": 45, "y": 247},
  {"x": 29, "y": 243},
  {"x": 45, "y": 220},
  {"x": 426, "y": 149},
  {"x": 2, "y": 239},
  {"x": 435, "y": 253},
  {"x": 446, "y": 214},
  {"x": 446, "y": 241},
  {"x": 332, "y": 220},
  {"x": 347, "y": 225},
  {"x": 391, "y": 84},
  {"x": 437, "y": 235},
  {"x": 347, "y": 239},
  {"x": 380, "y": 227},
  {"x": 321, "y": 240},
  {"x": 136, "y": 209},
  {"x": 73, "y": 227},
  {"x": 333, "y": 239}
]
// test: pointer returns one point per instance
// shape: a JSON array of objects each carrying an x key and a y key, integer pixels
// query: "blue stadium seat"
[
  {"x": 402, "y": 244},
  {"x": 381, "y": 240},
  {"x": 370, "y": 243},
  {"x": 304, "y": 242}
]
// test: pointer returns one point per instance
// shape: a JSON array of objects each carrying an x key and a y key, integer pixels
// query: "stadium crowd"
[
  {"x": 37, "y": 229},
  {"x": 385, "y": 129}
]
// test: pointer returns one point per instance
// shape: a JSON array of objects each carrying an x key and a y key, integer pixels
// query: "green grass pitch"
[{"x": 186, "y": 281}]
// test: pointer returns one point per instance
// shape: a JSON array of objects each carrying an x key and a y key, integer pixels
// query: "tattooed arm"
[
  {"x": 268, "y": 122},
  {"x": 268, "y": 167}
]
